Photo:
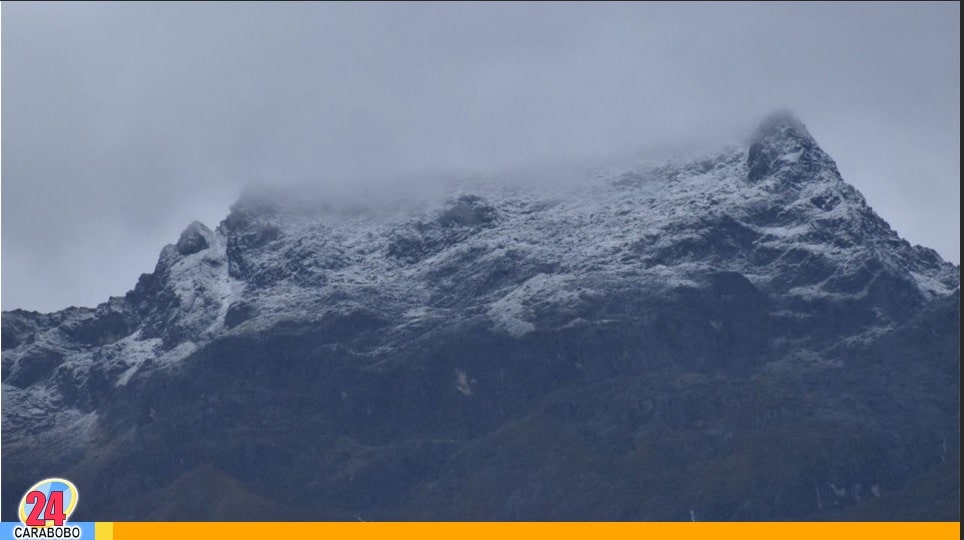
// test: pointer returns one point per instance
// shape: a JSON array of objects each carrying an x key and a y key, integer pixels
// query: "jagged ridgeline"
[{"x": 736, "y": 336}]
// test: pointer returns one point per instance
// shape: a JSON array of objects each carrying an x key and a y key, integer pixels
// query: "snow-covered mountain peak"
[
  {"x": 675, "y": 291},
  {"x": 783, "y": 149}
]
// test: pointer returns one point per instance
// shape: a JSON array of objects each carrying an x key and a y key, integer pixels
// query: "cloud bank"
[{"x": 122, "y": 123}]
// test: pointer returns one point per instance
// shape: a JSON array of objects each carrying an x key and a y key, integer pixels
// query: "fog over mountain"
[
  {"x": 122, "y": 123},
  {"x": 727, "y": 335}
]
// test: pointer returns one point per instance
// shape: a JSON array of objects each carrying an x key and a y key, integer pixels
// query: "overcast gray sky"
[{"x": 122, "y": 123}]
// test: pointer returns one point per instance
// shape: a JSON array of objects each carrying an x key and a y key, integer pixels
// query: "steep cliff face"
[{"x": 734, "y": 336}]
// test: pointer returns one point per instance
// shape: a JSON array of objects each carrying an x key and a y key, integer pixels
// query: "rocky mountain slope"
[{"x": 736, "y": 336}]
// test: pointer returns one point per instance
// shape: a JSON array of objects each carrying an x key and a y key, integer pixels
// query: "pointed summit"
[
  {"x": 781, "y": 143},
  {"x": 782, "y": 123}
]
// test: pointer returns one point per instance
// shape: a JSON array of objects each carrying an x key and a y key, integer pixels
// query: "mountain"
[{"x": 735, "y": 336}]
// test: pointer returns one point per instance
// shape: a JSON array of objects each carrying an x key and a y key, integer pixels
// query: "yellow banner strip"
[
  {"x": 103, "y": 530},
  {"x": 528, "y": 531}
]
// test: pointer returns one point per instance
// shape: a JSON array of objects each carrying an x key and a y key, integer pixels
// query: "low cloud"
[{"x": 122, "y": 123}]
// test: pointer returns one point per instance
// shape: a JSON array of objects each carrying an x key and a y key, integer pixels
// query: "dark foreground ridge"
[{"x": 737, "y": 336}]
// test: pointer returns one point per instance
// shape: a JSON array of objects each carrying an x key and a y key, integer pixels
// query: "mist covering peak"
[
  {"x": 399, "y": 349},
  {"x": 782, "y": 122}
]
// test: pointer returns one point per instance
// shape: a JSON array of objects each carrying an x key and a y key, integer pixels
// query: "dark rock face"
[
  {"x": 193, "y": 239},
  {"x": 467, "y": 211},
  {"x": 738, "y": 337},
  {"x": 34, "y": 367},
  {"x": 782, "y": 138},
  {"x": 238, "y": 313}
]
